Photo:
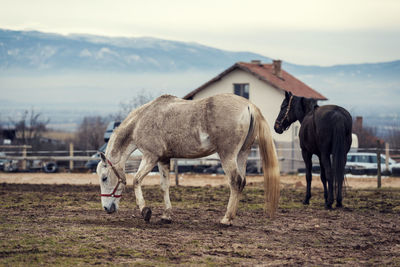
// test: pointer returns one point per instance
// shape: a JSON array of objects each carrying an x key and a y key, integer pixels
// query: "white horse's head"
[{"x": 112, "y": 184}]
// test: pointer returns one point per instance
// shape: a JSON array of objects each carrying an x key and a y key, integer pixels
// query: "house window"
[{"x": 241, "y": 89}]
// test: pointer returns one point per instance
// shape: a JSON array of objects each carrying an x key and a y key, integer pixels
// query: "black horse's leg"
[
  {"x": 340, "y": 179},
  {"x": 323, "y": 180},
  {"x": 307, "y": 160},
  {"x": 326, "y": 162},
  {"x": 339, "y": 195}
]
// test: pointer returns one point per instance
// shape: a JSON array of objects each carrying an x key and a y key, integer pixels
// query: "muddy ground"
[{"x": 65, "y": 225}]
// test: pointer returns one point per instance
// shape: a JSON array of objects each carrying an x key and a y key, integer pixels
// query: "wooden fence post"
[
  {"x": 387, "y": 156},
  {"x": 378, "y": 157},
  {"x": 24, "y": 166},
  {"x": 176, "y": 172},
  {"x": 71, "y": 154}
]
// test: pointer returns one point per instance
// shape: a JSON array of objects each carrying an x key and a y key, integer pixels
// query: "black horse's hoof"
[
  {"x": 328, "y": 206},
  {"x": 146, "y": 213},
  {"x": 339, "y": 205},
  {"x": 306, "y": 202}
]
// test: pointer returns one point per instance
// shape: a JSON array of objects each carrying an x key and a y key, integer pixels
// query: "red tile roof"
[{"x": 265, "y": 73}]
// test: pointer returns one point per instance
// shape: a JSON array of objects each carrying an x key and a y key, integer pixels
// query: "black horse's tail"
[{"x": 338, "y": 155}]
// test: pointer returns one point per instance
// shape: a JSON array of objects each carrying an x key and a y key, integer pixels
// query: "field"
[{"x": 43, "y": 224}]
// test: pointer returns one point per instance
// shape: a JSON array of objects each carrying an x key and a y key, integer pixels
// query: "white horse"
[{"x": 170, "y": 127}]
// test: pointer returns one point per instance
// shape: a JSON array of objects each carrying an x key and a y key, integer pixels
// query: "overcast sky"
[{"x": 305, "y": 32}]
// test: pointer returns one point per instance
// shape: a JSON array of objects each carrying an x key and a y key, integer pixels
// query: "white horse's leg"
[
  {"x": 236, "y": 173},
  {"x": 242, "y": 160},
  {"x": 164, "y": 182},
  {"x": 146, "y": 165},
  {"x": 236, "y": 184}
]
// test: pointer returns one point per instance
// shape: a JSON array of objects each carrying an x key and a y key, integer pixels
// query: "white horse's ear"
[{"x": 103, "y": 158}]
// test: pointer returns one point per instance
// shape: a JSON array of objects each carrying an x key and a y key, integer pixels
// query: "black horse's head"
[{"x": 293, "y": 108}]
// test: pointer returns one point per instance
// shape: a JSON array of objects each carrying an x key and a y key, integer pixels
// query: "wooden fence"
[{"x": 22, "y": 154}]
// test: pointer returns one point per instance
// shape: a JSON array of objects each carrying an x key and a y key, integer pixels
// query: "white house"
[{"x": 265, "y": 86}]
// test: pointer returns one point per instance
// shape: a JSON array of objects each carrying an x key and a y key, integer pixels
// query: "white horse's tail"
[{"x": 269, "y": 163}]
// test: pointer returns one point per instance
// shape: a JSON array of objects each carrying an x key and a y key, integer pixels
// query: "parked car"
[
  {"x": 31, "y": 165},
  {"x": 251, "y": 168},
  {"x": 2, "y": 161},
  {"x": 214, "y": 169},
  {"x": 110, "y": 129},
  {"x": 367, "y": 163},
  {"x": 92, "y": 164},
  {"x": 8, "y": 165}
]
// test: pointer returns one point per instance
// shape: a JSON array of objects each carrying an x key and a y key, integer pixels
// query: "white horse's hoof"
[{"x": 226, "y": 222}]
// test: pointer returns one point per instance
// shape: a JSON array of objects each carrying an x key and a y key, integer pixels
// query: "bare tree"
[
  {"x": 30, "y": 128},
  {"x": 140, "y": 99},
  {"x": 90, "y": 133},
  {"x": 367, "y": 136},
  {"x": 393, "y": 136}
]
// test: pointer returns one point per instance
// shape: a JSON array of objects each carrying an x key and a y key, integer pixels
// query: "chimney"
[
  {"x": 277, "y": 68},
  {"x": 358, "y": 123},
  {"x": 256, "y": 62}
]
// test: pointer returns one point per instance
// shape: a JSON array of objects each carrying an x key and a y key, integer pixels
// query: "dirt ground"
[{"x": 60, "y": 222}]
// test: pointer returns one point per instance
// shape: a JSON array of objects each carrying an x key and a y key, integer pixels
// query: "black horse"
[{"x": 324, "y": 131}]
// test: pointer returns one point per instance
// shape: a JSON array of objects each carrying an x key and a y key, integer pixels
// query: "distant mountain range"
[
  {"x": 35, "y": 50},
  {"x": 44, "y": 51},
  {"x": 43, "y": 65}
]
